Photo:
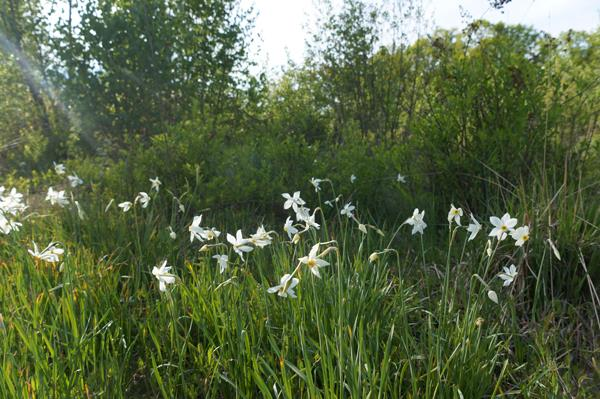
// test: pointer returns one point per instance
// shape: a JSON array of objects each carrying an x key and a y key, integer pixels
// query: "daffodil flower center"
[
  {"x": 503, "y": 227},
  {"x": 525, "y": 237},
  {"x": 312, "y": 262}
]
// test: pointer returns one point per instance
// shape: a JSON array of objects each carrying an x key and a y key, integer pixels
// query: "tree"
[{"x": 135, "y": 67}]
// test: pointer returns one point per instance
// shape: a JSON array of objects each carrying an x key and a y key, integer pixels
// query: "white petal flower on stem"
[
  {"x": 50, "y": 254},
  {"x": 163, "y": 276},
  {"x": 125, "y": 206},
  {"x": 222, "y": 262},
  {"x": 239, "y": 244},
  {"x": 59, "y": 168},
  {"x": 56, "y": 197},
  {"x": 261, "y": 238},
  {"x": 195, "y": 230},
  {"x": 313, "y": 261},
  {"x": 417, "y": 222},
  {"x": 520, "y": 235},
  {"x": 143, "y": 198},
  {"x": 289, "y": 228},
  {"x": 285, "y": 287},
  {"x": 352, "y": 179},
  {"x": 210, "y": 233},
  {"x": 75, "y": 180},
  {"x": 7, "y": 226},
  {"x": 400, "y": 178},
  {"x": 473, "y": 228},
  {"x": 502, "y": 226},
  {"x": 454, "y": 214},
  {"x": 155, "y": 184},
  {"x": 292, "y": 201},
  {"x": 316, "y": 184},
  {"x": 172, "y": 233},
  {"x": 508, "y": 275},
  {"x": 310, "y": 222},
  {"x": 347, "y": 210},
  {"x": 302, "y": 213}
]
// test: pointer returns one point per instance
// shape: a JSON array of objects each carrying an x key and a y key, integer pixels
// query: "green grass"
[{"x": 417, "y": 323}]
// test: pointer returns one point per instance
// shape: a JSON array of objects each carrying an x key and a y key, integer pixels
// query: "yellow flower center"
[
  {"x": 503, "y": 228},
  {"x": 525, "y": 237},
  {"x": 312, "y": 262}
]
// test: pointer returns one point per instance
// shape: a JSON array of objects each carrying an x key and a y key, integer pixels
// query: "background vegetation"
[{"x": 492, "y": 118}]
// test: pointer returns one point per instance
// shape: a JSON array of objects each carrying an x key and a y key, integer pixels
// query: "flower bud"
[{"x": 374, "y": 257}]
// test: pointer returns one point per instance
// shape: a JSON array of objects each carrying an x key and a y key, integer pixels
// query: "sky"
[{"x": 282, "y": 24}]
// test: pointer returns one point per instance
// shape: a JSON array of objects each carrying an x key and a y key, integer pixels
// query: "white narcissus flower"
[
  {"x": 172, "y": 234},
  {"x": 163, "y": 276},
  {"x": 6, "y": 226},
  {"x": 195, "y": 230},
  {"x": 502, "y": 226},
  {"x": 289, "y": 228},
  {"x": 155, "y": 184},
  {"x": 302, "y": 213},
  {"x": 328, "y": 203},
  {"x": 143, "y": 198},
  {"x": 75, "y": 180},
  {"x": 417, "y": 222},
  {"x": 59, "y": 168},
  {"x": 508, "y": 275},
  {"x": 520, "y": 235},
  {"x": 310, "y": 222},
  {"x": 125, "y": 206},
  {"x": 313, "y": 261},
  {"x": 56, "y": 197},
  {"x": 347, "y": 210},
  {"x": 285, "y": 287},
  {"x": 473, "y": 228},
  {"x": 210, "y": 233},
  {"x": 454, "y": 214},
  {"x": 222, "y": 262},
  {"x": 352, "y": 179},
  {"x": 239, "y": 244},
  {"x": 261, "y": 238},
  {"x": 50, "y": 254},
  {"x": 400, "y": 178},
  {"x": 316, "y": 184},
  {"x": 292, "y": 201}
]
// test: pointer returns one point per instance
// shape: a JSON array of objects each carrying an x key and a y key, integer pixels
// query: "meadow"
[
  {"x": 390, "y": 218},
  {"x": 131, "y": 300}
]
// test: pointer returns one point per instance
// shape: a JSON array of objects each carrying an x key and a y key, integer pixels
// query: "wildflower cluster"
[
  {"x": 302, "y": 221},
  {"x": 11, "y": 206}
]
